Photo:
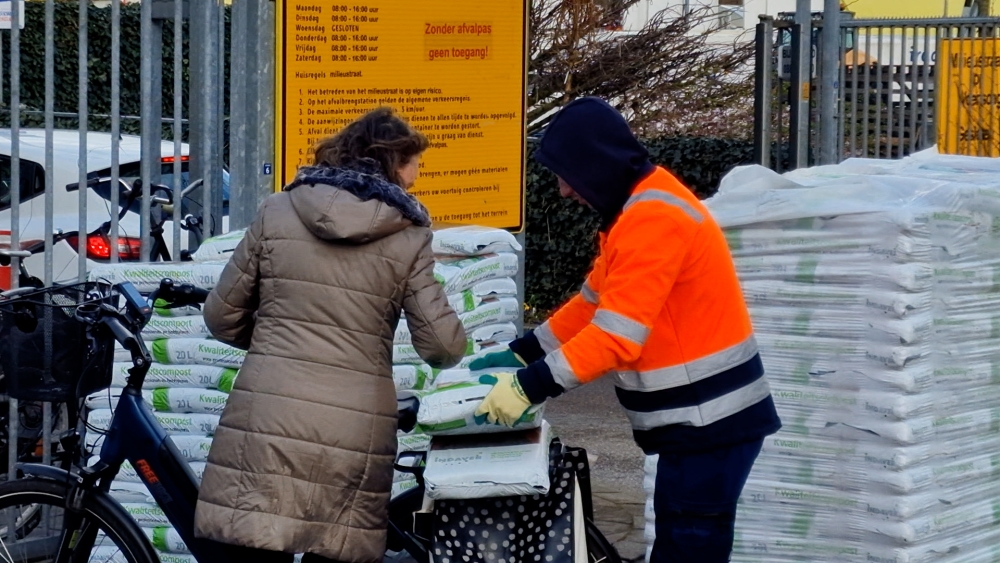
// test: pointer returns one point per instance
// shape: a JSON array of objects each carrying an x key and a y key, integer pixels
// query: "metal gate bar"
[{"x": 886, "y": 101}]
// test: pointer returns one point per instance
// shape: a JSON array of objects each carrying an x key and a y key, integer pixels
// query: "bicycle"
[
  {"x": 73, "y": 517},
  {"x": 161, "y": 210}
]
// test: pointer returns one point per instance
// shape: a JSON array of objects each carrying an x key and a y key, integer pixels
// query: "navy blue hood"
[{"x": 590, "y": 146}]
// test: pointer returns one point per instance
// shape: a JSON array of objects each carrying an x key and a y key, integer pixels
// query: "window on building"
[{"x": 731, "y": 14}]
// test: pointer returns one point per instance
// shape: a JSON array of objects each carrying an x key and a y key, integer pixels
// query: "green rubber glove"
[
  {"x": 505, "y": 359},
  {"x": 506, "y": 403}
]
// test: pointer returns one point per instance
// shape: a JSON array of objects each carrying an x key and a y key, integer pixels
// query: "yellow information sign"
[
  {"x": 455, "y": 70},
  {"x": 968, "y": 94}
]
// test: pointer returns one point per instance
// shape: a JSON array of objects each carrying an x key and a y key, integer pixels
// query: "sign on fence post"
[
  {"x": 455, "y": 70},
  {"x": 968, "y": 92},
  {"x": 6, "y": 14}
]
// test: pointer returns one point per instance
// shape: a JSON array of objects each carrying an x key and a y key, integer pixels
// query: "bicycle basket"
[{"x": 46, "y": 353}]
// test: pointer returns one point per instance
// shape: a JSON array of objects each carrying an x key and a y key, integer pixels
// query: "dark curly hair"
[{"x": 379, "y": 135}]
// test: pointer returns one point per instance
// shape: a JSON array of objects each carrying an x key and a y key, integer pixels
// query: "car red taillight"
[{"x": 99, "y": 247}]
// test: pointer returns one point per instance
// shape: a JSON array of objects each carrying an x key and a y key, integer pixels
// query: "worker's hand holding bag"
[{"x": 506, "y": 403}]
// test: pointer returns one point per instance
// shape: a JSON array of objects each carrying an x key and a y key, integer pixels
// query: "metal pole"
[
  {"x": 178, "y": 184},
  {"x": 841, "y": 96},
  {"x": 15, "y": 156},
  {"x": 82, "y": 49},
  {"x": 855, "y": 76},
  {"x": 240, "y": 122},
  {"x": 204, "y": 113},
  {"x": 829, "y": 85},
  {"x": 519, "y": 278},
  {"x": 801, "y": 85},
  {"x": 148, "y": 134},
  {"x": 892, "y": 88},
  {"x": 866, "y": 111},
  {"x": 879, "y": 76},
  {"x": 50, "y": 96},
  {"x": 262, "y": 83},
  {"x": 155, "y": 117},
  {"x": 762, "y": 92},
  {"x": 13, "y": 417},
  {"x": 928, "y": 84},
  {"x": 914, "y": 91},
  {"x": 116, "y": 128}
]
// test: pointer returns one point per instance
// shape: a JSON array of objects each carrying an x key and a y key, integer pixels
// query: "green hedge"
[{"x": 562, "y": 235}]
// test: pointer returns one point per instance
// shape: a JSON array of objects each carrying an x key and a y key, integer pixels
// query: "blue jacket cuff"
[
  {"x": 528, "y": 348},
  {"x": 538, "y": 383}
]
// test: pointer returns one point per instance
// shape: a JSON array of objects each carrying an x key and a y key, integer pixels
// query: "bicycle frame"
[{"x": 136, "y": 435}]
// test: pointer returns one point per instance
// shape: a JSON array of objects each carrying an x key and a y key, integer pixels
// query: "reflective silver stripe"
[
  {"x": 706, "y": 413},
  {"x": 588, "y": 294},
  {"x": 546, "y": 339},
  {"x": 649, "y": 486},
  {"x": 669, "y": 199},
  {"x": 691, "y": 372},
  {"x": 620, "y": 325},
  {"x": 561, "y": 372}
]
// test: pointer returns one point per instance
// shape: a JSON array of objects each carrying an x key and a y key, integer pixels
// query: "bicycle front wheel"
[{"x": 113, "y": 537}]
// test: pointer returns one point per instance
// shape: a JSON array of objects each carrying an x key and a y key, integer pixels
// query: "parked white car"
[{"x": 66, "y": 147}]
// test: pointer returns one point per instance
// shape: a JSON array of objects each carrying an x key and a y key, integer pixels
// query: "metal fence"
[
  {"x": 867, "y": 89},
  {"x": 71, "y": 180}
]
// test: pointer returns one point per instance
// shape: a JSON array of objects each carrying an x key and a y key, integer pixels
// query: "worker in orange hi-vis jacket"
[{"x": 663, "y": 312}]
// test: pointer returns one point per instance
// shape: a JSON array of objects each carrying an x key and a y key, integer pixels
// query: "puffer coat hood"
[
  {"x": 353, "y": 204},
  {"x": 302, "y": 457},
  {"x": 590, "y": 146}
]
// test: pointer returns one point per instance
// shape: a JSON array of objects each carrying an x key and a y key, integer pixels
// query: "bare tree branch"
[{"x": 672, "y": 77}]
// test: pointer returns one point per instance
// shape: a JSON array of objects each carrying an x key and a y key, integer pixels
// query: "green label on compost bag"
[
  {"x": 160, "y": 538},
  {"x": 160, "y": 352},
  {"x": 161, "y": 400},
  {"x": 227, "y": 379}
]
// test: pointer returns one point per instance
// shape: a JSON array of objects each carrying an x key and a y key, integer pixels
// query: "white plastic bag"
[
  {"x": 160, "y": 375},
  {"x": 147, "y": 277},
  {"x": 452, "y": 410},
  {"x": 406, "y": 354},
  {"x": 218, "y": 248},
  {"x": 503, "y": 465},
  {"x": 166, "y": 540},
  {"x": 186, "y": 351},
  {"x": 412, "y": 377},
  {"x": 473, "y": 240},
  {"x": 493, "y": 334},
  {"x": 495, "y": 289},
  {"x": 188, "y": 400},
  {"x": 460, "y": 274},
  {"x": 454, "y": 376},
  {"x": 176, "y": 327},
  {"x": 201, "y": 424},
  {"x": 505, "y": 310}
]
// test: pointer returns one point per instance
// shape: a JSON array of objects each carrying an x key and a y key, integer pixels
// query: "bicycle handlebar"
[{"x": 178, "y": 295}]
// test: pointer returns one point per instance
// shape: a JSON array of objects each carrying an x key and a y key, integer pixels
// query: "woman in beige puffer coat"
[{"x": 302, "y": 459}]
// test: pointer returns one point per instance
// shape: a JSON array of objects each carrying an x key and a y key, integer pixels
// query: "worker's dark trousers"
[{"x": 695, "y": 503}]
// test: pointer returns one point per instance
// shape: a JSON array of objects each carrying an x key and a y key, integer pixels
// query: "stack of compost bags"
[{"x": 874, "y": 289}]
